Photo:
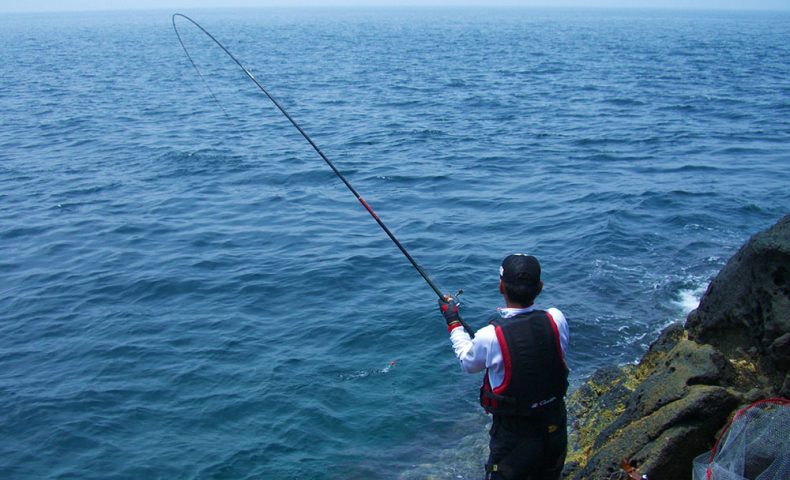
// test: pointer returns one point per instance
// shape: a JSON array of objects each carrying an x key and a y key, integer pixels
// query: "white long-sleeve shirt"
[{"x": 484, "y": 351}]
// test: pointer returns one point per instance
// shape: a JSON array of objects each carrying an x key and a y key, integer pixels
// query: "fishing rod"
[{"x": 318, "y": 151}]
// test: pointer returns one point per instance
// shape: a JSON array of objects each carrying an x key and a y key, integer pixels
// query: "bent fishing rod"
[{"x": 317, "y": 150}]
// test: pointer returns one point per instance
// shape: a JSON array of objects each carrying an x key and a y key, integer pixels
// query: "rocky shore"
[{"x": 733, "y": 349}]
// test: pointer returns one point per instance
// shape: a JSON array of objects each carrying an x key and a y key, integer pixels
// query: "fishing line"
[
  {"x": 202, "y": 78},
  {"x": 315, "y": 147}
]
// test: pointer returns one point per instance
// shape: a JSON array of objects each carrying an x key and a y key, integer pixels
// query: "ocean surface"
[{"x": 187, "y": 290}]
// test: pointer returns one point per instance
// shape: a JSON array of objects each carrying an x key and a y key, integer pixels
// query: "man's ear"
[
  {"x": 540, "y": 288},
  {"x": 501, "y": 287}
]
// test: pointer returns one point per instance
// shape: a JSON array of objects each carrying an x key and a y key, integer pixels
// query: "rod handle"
[{"x": 466, "y": 327}]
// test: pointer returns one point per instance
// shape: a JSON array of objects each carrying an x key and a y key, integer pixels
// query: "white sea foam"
[
  {"x": 688, "y": 299},
  {"x": 369, "y": 372}
]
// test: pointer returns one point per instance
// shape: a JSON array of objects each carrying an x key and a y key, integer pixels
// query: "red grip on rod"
[{"x": 367, "y": 207}]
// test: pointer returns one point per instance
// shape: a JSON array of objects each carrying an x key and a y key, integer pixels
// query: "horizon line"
[{"x": 394, "y": 6}]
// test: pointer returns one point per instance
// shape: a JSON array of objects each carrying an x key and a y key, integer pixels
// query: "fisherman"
[{"x": 523, "y": 353}]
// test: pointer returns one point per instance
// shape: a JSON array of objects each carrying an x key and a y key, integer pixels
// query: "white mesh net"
[{"x": 755, "y": 446}]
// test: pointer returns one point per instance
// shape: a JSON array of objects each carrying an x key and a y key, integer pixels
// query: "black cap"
[{"x": 520, "y": 269}]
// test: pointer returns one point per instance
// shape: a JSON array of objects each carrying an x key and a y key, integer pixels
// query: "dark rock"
[
  {"x": 780, "y": 351},
  {"x": 667, "y": 409},
  {"x": 670, "y": 380},
  {"x": 665, "y": 403},
  {"x": 593, "y": 406},
  {"x": 663, "y": 444},
  {"x": 747, "y": 306}
]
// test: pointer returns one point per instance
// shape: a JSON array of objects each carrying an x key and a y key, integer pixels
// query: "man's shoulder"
[
  {"x": 556, "y": 314},
  {"x": 539, "y": 312},
  {"x": 486, "y": 334}
]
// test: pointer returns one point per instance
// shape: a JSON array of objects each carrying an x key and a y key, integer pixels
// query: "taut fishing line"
[{"x": 312, "y": 144}]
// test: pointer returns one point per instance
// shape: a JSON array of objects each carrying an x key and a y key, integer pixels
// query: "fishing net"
[{"x": 754, "y": 446}]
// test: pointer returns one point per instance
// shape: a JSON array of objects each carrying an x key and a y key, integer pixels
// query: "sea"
[{"x": 188, "y": 291}]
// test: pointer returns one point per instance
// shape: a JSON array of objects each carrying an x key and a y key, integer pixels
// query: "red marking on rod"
[{"x": 367, "y": 207}]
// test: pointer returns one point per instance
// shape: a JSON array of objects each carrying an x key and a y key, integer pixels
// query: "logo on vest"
[{"x": 542, "y": 403}]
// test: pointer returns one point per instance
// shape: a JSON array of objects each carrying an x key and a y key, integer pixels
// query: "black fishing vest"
[{"x": 535, "y": 371}]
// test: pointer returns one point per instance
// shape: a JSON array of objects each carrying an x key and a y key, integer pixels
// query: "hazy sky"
[{"x": 66, "y": 5}]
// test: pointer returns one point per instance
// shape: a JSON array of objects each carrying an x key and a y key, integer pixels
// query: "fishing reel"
[{"x": 457, "y": 297}]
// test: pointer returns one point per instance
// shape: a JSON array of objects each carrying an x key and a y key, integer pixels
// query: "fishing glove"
[{"x": 449, "y": 310}]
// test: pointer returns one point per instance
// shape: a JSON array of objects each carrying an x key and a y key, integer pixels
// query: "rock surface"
[{"x": 667, "y": 409}]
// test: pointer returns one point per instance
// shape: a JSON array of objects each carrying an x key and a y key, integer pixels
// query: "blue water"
[{"x": 187, "y": 291}]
